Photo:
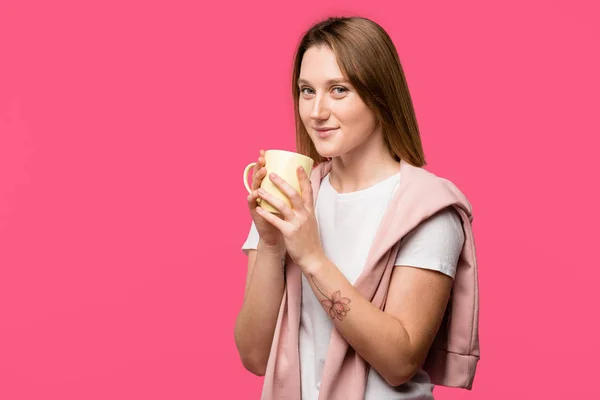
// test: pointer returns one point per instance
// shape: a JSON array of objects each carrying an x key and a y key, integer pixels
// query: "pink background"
[{"x": 124, "y": 130}]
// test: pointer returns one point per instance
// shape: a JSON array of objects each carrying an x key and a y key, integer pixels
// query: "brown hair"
[{"x": 368, "y": 58}]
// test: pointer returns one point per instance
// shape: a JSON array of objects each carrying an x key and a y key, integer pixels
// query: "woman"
[{"x": 354, "y": 113}]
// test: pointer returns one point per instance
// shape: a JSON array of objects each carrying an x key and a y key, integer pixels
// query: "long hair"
[{"x": 368, "y": 58}]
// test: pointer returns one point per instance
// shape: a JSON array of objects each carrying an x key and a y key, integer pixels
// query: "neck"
[{"x": 363, "y": 167}]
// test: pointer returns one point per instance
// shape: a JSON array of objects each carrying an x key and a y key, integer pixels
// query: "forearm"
[
  {"x": 256, "y": 321},
  {"x": 379, "y": 338}
]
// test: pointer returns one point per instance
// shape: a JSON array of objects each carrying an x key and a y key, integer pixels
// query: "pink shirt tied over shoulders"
[{"x": 453, "y": 357}]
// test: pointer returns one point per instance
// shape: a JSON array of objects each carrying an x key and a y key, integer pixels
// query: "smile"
[{"x": 325, "y": 133}]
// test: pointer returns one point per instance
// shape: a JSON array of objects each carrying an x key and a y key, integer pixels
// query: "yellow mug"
[{"x": 285, "y": 164}]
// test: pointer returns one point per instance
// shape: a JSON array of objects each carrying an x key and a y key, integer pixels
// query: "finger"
[
  {"x": 256, "y": 166},
  {"x": 279, "y": 204},
  {"x": 260, "y": 162},
  {"x": 258, "y": 178},
  {"x": 272, "y": 219},
  {"x": 288, "y": 190},
  {"x": 252, "y": 197},
  {"x": 306, "y": 188}
]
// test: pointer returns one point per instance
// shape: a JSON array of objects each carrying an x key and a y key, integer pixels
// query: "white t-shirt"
[{"x": 347, "y": 225}]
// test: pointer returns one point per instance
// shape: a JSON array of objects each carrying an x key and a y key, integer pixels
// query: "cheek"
[
  {"x": 357, "y": 118},
  {"x": 304, "y": 111}
]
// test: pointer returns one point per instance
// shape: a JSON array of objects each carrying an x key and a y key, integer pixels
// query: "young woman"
[{"x": 354, "y": 111}]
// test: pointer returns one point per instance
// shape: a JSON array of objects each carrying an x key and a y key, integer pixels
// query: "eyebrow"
[{"x": 328, "y": 82}]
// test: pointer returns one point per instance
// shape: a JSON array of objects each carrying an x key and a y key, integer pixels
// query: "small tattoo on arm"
[{"x": 337, "y": 306}]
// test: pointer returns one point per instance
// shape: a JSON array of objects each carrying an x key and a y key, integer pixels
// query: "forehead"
[{"x": 319, "y": 64}]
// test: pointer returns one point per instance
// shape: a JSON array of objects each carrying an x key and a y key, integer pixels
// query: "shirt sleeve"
[
  {"x": 251, "y": 242},
  {"x": 434, "y": 244}
]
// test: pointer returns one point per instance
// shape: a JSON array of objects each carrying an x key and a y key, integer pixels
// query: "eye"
[
  {"x": 340, "y": 90},
  {"x": 306, "y": 91}
]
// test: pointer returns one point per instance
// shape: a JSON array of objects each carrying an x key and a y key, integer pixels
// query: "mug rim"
[{"x": 294, "y": 153}]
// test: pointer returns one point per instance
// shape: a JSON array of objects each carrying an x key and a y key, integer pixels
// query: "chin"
[{"x": 327, "y": 151}]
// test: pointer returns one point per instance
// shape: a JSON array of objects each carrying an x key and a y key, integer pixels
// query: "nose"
[{"x": 320, "y": 108}]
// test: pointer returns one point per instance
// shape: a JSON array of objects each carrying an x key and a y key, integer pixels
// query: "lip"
[{"x": 325, "y": 132}]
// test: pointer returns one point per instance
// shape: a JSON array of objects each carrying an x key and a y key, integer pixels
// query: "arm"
[
  {"x": 395, "y": 341},
  {"x": 255, "y": 324}
]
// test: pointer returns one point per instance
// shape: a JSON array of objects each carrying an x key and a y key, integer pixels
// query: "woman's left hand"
[{"x": 298, "y": 223}]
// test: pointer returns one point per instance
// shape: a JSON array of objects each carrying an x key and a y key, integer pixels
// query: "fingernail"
[
  {"x": 261, "y": 192},
  {"x": 273, "y": 175}
]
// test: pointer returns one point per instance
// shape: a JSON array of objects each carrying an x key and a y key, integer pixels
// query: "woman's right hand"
[{"x": 268, "y": 234}]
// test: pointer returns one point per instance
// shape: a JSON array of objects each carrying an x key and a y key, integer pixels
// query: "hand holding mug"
[
  {"x": 267, "y": 232},
  {"x": 283, "y": 163},
  {"x": 286, "y": 202}
]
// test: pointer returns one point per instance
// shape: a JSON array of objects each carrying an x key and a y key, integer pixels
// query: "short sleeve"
[
  {"x": 251, "y": 242},
  {"x": 434, "y": 244}
]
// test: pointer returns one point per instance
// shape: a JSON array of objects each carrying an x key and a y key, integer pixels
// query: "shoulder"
[
  {"x": 435, "y": 244},
  {"x": 441, "y": 226},
  {"x": 446, "y": 222},
  {"x": 419, "y": 178},
  {"x": 426, "y": 187}
]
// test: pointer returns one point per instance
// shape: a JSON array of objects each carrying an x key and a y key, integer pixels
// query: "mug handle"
[{"x": 251, "y": 165}]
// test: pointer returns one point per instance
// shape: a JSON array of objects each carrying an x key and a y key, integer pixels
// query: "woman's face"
[{"x": 335, "y": 117}]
